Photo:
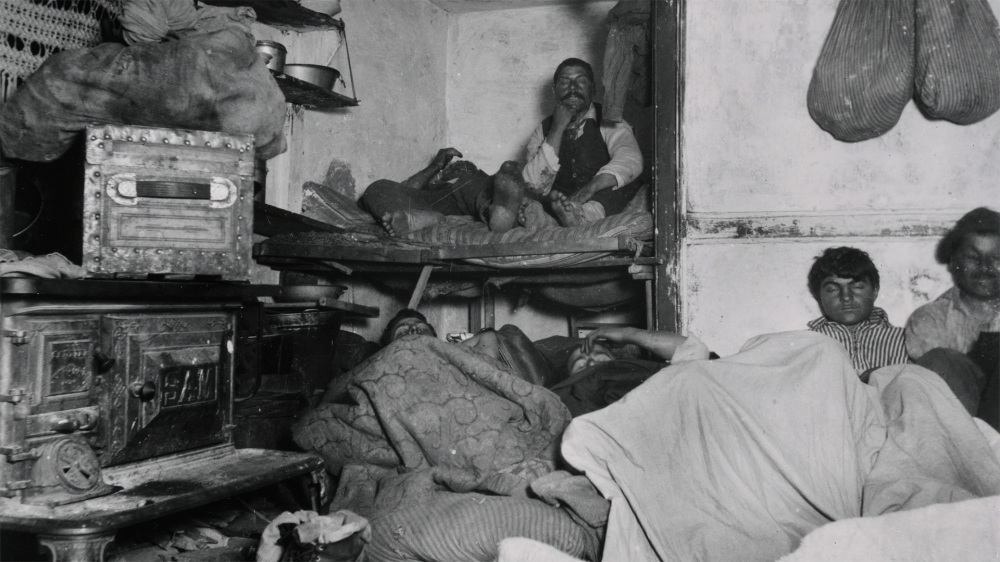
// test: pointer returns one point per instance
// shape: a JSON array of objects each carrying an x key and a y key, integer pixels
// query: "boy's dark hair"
[
  {"x": 574, "y": 62},
  {"x": 846, "y": 262},
  {"x": 400, "y": 316},
  {"x": 981, "y": 220}
]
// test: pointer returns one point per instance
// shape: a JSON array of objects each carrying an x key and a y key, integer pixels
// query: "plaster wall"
[
  {"x": 398, "y": 54},
  {"x": 500, "y": 66},
  {"x": 765, "y": 189}
]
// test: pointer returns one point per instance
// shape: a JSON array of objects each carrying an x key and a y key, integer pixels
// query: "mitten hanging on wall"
[
  {"x": 864, "y": 76},
  {"x": 957, "y": 73}
]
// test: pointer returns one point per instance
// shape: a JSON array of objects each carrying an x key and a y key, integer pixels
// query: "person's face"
[
  {"x": 411, "y": 326},
  {"x": 975, "y": 266},
  {"x": 580, "y": 360},
  {"x": 574, "y": 87},
  {"x": 847, "y": 301}
]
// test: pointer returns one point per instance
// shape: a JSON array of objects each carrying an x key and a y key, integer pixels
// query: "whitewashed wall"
[
  {"x": 766, "y": 189},
  {"x": 398, "y": 54},
  {"x": 500, "y": 66}
]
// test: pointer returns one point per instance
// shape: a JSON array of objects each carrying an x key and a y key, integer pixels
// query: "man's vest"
[{"x": 581, "y": 158}]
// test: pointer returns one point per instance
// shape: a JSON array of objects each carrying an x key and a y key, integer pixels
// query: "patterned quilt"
[
  {"x": 436, "y": 445},
  {"x": 424, "y": 414}
]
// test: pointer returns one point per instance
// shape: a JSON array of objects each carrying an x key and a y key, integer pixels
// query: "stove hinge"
[
  {"x": 16, "y": 453},
  {"x": 12, "y": 488},
  {"x": 15, "y": 396},
  {"x": 17, "y": 337}
]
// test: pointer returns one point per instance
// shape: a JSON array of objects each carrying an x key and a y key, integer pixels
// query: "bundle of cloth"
[
  {"x": 880, "y": 55},
  {"x": 438, "y": 446},
  {"x": 184, "y": 68},
  {"x": 740, "y": 458}
]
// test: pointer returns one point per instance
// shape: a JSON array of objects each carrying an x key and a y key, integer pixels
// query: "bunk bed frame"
[{"x": 304, "y": 252}]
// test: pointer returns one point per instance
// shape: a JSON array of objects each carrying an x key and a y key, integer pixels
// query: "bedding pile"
[
  {"x": 436, "y": 445},
  {"x": 461, "y": 231},
  {"x": 740, "y": 458}
]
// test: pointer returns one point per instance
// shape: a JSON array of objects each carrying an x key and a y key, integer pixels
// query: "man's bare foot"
[
  {"x": 508, "y": 192},
  {"x": 401, "y": 223},
  {"x": 568, "y": 212},
  {"x": 532, "y": 215}
]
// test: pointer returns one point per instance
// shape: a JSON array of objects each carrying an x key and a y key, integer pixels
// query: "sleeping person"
[
  {"x": 845, "y": 283},
  {"x": 741, "y": 457},
  {"x": 597, "y": 376}
]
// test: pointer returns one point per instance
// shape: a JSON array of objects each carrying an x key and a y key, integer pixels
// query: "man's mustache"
[{"x": 571, "y": 95}]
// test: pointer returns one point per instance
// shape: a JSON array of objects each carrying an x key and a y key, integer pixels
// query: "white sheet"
[{"x": 740, "y": 458}]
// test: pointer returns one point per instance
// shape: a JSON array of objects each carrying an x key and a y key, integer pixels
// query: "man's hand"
[
  {"x": 586, "y": 193},
  {"x": 613, "y": 334},
  {"x": 444, "y": 156},
  {"x": 588, "y": 190},
  {"x": 563, "y": 115}
]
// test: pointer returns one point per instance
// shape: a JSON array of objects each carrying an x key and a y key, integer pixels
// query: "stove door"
[{"x": 170, "y": 387}]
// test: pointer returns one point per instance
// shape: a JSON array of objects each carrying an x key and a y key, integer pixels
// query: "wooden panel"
[
  {"x": 533, "y": 248},
  {"x": 667, "y": 96},
  {"x": 707, "y": 228},
  {"x": 286, "y": 15}
]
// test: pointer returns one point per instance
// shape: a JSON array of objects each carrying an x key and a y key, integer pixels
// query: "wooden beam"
[
  {"x": 668, "y": 95},
  {"x": 418, "y": 291},
  {"x": 531, "y": 248},
  {"x": 269, "y": 220}
]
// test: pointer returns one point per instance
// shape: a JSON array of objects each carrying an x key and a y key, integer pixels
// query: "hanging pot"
[{"x": 274, "y": 54}]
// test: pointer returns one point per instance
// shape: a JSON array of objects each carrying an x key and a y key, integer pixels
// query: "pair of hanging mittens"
[{"x": 879, "y": 54}]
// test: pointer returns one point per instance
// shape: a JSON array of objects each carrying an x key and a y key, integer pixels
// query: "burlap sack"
[
  {"x": 864, "y": 76},
  {"x": 209, "y": 78},
  {"x": 957, "y": 74}
]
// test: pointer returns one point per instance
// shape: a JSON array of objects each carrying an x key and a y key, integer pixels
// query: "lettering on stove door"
[
  {"x": 188, "y": 384},
  {"x": 70, "y": 366}
]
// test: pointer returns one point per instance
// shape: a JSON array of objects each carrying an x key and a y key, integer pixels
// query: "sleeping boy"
[{"x": 845, "y": 283}]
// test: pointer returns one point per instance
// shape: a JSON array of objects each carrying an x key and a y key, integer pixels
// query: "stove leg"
[{"x": 77, "y": 548}]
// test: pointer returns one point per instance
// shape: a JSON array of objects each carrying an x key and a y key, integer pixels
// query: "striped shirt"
[{"x": 873, "y": 343}]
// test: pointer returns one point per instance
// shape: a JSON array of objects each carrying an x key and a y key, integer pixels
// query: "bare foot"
[
  {"x": 401, "y": 223},
  {"x": 508, "y": 192},
  {"x": 569, "y": 213},
  {"x": 532, "y": 215}
]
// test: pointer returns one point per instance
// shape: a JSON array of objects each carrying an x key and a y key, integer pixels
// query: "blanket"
[
  {"x": 436, "y": 444},
  {"x": 428, "y": 413},
  {"x": 741, "y": 457}
]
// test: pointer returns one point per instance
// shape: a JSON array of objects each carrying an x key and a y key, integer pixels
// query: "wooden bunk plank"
[
  {"x": 309, "y": 251},
  {"x": 533, "y": 248},
  {"x": 387, "y": 266},
  {"x": 269, "y": 220}
]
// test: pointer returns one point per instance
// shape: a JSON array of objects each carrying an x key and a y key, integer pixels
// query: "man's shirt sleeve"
[
  {"x": 626, "y": 158},
  {"x": 922, "y": 331},
  {"x": 543, "y": 164}
]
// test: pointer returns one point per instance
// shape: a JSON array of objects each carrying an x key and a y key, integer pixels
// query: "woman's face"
[
  {"x": 580, "y": 360},
  {"x": 411, "y": 326}
]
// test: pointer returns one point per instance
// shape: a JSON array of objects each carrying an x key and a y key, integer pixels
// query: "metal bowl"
[{"x": 315, "y": 74}]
